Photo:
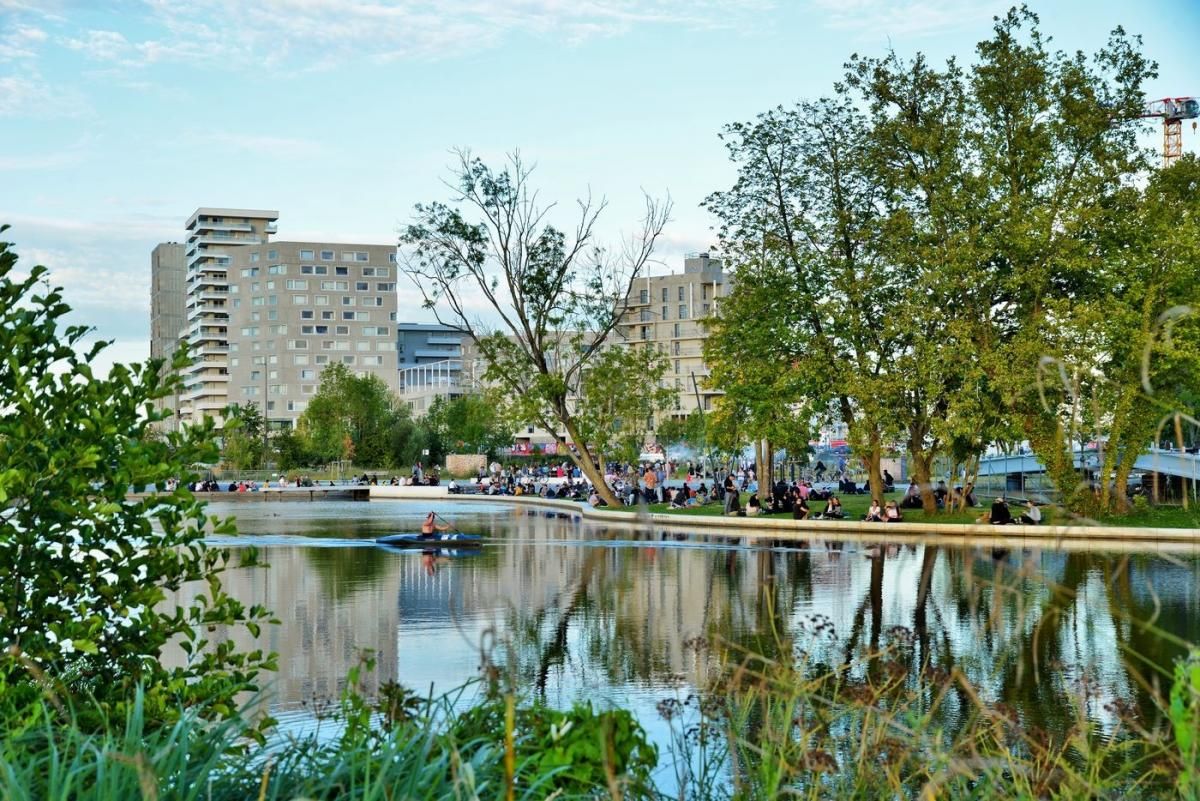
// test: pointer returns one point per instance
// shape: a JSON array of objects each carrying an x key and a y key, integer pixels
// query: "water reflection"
[{"x": 577, "y": 610}]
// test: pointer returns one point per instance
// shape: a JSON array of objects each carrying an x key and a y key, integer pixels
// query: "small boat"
[
  {"x": 439, "y": 551},
  {"x": 454, "y": 539}
]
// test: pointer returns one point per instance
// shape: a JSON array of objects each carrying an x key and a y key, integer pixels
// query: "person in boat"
[{"x": 431, "y": 526}]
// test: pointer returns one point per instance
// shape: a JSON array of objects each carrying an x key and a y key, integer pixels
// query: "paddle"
[{"x": 453, "y": 528}]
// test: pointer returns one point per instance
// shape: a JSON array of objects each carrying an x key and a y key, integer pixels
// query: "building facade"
[
  {"x": 214, "y": 236},
  {"x": 168, "y": 276},
  {"x": 262, "y": 318},
  {"x": 667, "y": 312},
  {"x": 431, "y": 364},
  {"x": 296, "y": 307}
]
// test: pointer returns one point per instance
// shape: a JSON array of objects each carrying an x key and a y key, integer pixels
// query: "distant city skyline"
[{"x": 118, "y": 119}]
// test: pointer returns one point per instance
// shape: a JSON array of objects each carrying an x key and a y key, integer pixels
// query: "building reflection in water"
[{"x": 584, "y": 611}]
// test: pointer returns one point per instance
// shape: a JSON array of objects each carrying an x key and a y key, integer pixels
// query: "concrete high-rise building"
[
  {"x": 667, "y": 311},
  {"x": 215, "y": 235},
  {"x": 430, "y": 357},
  {"x": 295, "y": 307},
  {"x": 168, "y": 269}
]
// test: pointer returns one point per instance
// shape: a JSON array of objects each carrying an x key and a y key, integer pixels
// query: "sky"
[{"x": 119, "y": 119}]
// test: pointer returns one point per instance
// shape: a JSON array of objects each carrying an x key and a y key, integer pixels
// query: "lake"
[{"x": 616, "y": 615}]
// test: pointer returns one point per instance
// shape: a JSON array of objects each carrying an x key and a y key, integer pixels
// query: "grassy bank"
[{"x": 855, "y": 507}]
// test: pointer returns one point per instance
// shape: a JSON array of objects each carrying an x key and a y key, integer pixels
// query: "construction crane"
[{"x": 1173, "y": 111}]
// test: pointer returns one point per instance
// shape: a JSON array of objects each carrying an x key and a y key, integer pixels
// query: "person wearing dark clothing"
[
  {"x": 800, "y": 509},
  {"x": 889, "y": 483},
  {"x": 1000, "y": 515},
  {"x": 819, "y": 471}
]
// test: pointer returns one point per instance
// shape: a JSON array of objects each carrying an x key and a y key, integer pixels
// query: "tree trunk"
[
  {"x": 922, "y": 469},
  {"x": 767, "y": 477},
  {"x": 874, "y": 460},
  {"x": 587, "y": 464}
]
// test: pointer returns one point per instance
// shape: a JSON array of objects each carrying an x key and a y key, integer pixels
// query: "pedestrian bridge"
[{"x": 1173, "y": 463}]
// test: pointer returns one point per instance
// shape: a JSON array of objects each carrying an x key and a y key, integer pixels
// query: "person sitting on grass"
[
  {"x": 800, "y": 510},
  {"x": 1032, "y": 514},
  {"x": 891, "y": 513},
  {"x": 833, "y": 509},
  {"x": 874, "y": 512},
  {"x": 1000, "y": 515},
  {"x": 753, "y": 506},
  {"x": 595, "y": 500}
]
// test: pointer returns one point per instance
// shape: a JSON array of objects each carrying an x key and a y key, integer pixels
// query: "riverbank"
[{"x": 783, "y": 528}]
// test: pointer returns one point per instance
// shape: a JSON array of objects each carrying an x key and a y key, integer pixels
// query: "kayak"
[
  {"x": 437, "y": 550},
  {"x": 414, "y": 540}
]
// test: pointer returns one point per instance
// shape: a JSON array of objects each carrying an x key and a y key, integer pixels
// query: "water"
[{"x": 622, "y": 616}]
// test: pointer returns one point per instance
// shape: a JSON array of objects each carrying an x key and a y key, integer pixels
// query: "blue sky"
[{"x": 118, "y": 119}]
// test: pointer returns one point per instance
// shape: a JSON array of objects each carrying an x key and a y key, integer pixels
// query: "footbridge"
[{"x": 1155, "y": 460}]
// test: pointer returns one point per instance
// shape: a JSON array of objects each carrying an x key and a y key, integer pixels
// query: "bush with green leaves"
[{"x": 88, "y": 574}]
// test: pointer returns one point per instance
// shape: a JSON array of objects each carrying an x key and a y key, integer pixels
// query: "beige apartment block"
[
  {"x": 214, "y": 236},
  {"x": 667, "y": 312},
  {"x": 168, "y": 275},
  {"x": 296, "y": 307}
]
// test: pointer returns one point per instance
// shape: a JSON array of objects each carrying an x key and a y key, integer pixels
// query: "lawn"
[{"x": 855, "y": 507}]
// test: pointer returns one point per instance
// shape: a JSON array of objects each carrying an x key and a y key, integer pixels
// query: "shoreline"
[{"x": 784, "y": 529}]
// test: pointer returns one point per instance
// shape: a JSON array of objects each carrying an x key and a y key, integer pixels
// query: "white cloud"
[
  {"x": 28, "y": 95},
  {"x": 315, "y": 34},
  {"x": 21, "y": 41},
  {"x": 874, "y": 19}
]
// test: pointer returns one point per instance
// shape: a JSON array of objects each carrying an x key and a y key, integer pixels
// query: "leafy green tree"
[
  {"x": 468, "y": 424},
  {"x": 691, "y": 431},
  {"x": 350, "y": 417},
  {"x": 87, "y": 573},
  {"x": 242, "y": 438},
  {"x": 557, "y": 297},
  {"x": 619, "y": 394}
]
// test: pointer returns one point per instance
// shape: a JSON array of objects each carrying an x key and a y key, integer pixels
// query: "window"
[
  {"x": 249, "y": 391},
  {"x": 306, "y": 329},
  {"x": 306, "y": 254},
  {"x": 644, "y": 316},
  {"x": 347, "y": 300},
  {"x": 645, "y": 332},
  {"x": 677, "y": 367},
  {"x": 309, "y": 389},
  {"x": 704, "y": 291},
  {"x": 360, "y": 345},
  {"x": 299, "y": 300},
  {"x": 370, "y": 361},
  {"x": 341, "y": 271},
  {"x": 378, "y": 301},
  {"x": 307, "y": 375},
  {"x": 361, "y": 256},
  {"x": 255, "y": 317},
  {"x": 297, "y": 344},
  {"x": 237, "y": 303},
  {"x": 362, "y": 316},
  {"x": 272, "y": 314},
  {"x": 675, "y": 348},
  {"x": 297, "y": 406},
  {"x": 664, "y": 312},
  {"x": 347, "y": 255},
  {"x": 644, "y": 296},
  {"x": 258, "y": 300},
  {"x": 300, "y": 358},
  {"x": 343, "y": 331},
  {"x": 272, "y": 300},
  {"x": 681, "y": 295},
  {"x": 676, "y": 331},
  {"x": 326, "y": 315},
  {"x": 249, "y": 272},
  {"x": 256, "y": 286},
  {"x": 297, "y": 283},
  {"x": 386, "y": 287},
  {"x": 704, "y": 309},
  {"x": 347, "y": 315},
  {"x": 380, "y": 272},
  {"x": 385, "y": 346},
  {"x": 362, "y": 286},
  {"x": 321, "y": 358},
  {"x": 683, "y": 311},
  {"x": 253, "y": 257},
  {"x": 250, "y": 331},
  {"x": 255, "y": 375},
  {"x": 322, "y": 300},
  {"x": 278, "y": 329},
  {"x": 272, "y": 254},
  {"x": 270, "y": 285},
  {"x": 277, "y": 269},
  {"x": 392, "y": 258},
  {"x": 368, "y": 272},
  {"x": 347, "y": 360},
  {"x": 326, "y": 255},
  {"x": 234, "y": 361},
  {"x": 322, "y": 329}
]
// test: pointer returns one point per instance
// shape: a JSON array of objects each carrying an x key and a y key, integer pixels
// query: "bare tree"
[{"x": 538, "y": 304}]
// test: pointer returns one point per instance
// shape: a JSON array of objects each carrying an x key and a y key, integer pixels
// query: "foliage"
[
  {"x": 1185, "y": 719},
  {"x": 690, "y": 430},
  {"x": 619, "y": 394},
  {"x": 90, "y": 579},
  {"x": 242, "y": 438},
  {"x": 467, "y": 424},
  {"x": 354, "y": 417},
  {"x": 558, "y": 297}
]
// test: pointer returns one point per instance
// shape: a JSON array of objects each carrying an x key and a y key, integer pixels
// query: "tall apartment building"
[
  {"x": 430, "y": 358},
  {"x": 296, "y": 307},
  {"x": 168, "y": 273},
  {"x": 214, "y": 236},
  {"x": 666, "y": 311}
]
